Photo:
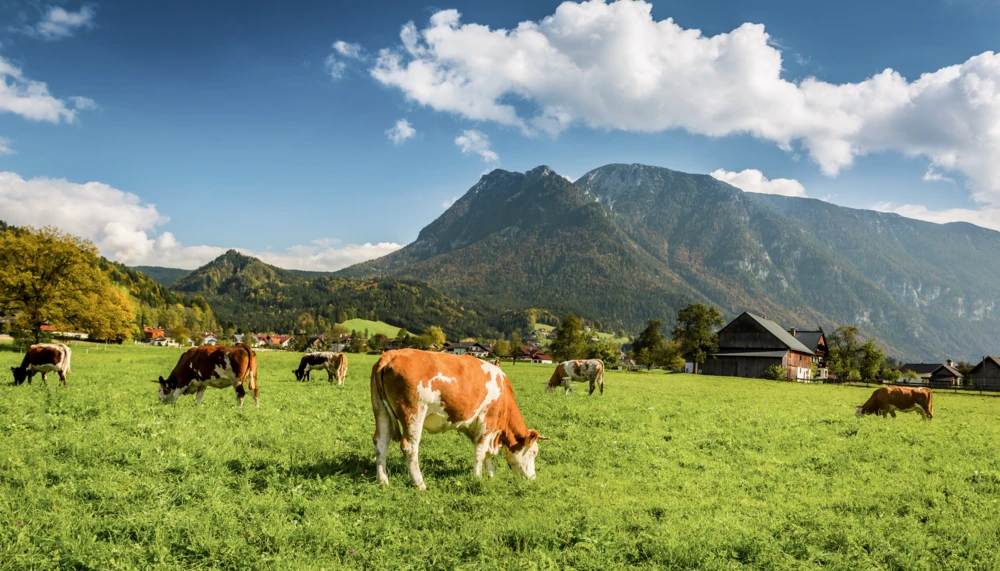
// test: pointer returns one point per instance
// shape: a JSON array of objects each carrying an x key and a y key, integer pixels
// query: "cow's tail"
[
  {"x": 380, "y": 401},
  {"x": 930, "y": 404},
  {"x": 250, "y": 374},
  {"x": 67, "y": 354}
]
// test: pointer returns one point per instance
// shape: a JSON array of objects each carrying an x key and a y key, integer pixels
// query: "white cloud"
[
  {"x": 31, "y": 99},
  {"x": 335, "y": 67},
  {"x": 348, "y": 50},
  {"x": 6, "y": 148},
  {"x": 59, "y": 23},
  {"x": 934, "y": 176},
  {"x": 987, "y": 217},
  {"x": 752, "y": 180},
  {"x": 125, "y": 229},
  {"x": 476, "y": 142},
  {"x": 401, "y": 132},
  {"x": 612, "y": 66},
  {"x": 447, "y": 203}
]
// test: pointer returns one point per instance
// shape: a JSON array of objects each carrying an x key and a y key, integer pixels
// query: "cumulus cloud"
[
  {"x": 31, "y": 99},
  {"x": 401, "y": 132},
  {"x": 476, "y": 142},
  {"x": 59, "y": 23},
  {"x": 752, "y": 180},
  {"x": 933, "y": 176},
  {"x": 348, "y": 50},
  {"x": 125, "y": 229},
  {"x": 6, "y": 148},
  {"x": 987, "y": 217},
  {"x": 613, "y": 66}
]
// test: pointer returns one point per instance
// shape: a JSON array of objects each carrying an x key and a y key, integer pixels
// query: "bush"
[
  {"x": 854, "y": 376},
  {"x": 774, "y": 373}
]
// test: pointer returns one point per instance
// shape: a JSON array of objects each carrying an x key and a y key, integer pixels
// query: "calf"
[
  {"x": 887, "y": 400},
  {"x": 43, "y": 358},
  {"x": 207, "y": 366},
  {"x": 335, "y": 365},
  {"x": 591, "y": 370},
  {"x": 413, "y": 390}
]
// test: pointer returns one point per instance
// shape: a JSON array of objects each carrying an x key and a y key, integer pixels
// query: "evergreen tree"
[{"x": 570, "y": 342}]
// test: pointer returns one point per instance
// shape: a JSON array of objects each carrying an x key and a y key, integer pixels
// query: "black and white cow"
[
  {"x": 43, "y": 358},
  {"x": 335, "y": 365}
]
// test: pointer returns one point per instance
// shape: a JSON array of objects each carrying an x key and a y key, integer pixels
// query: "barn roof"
[
  {"x": 920, "y": 368},
  {"x": 809, "y": 338},
  {"x": 762, "y": 354},
  {"x": 944, "y": 371},
  {"x": 785, "y": 337},
  {"x": 996, "y": 361}
]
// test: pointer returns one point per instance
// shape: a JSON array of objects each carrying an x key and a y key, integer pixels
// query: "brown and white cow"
[
  {"x": 415, "y": 390},
  {"x": 335, "y": 365},
  {"x": 208, "y": 366},
  {"x": 591, "y": 370},
  {"x": 888, "y": 400},
  {"x": 43, "y": 358}
]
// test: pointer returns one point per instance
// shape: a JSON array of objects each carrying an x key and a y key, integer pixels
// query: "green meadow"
[{"x": 664, "y": 471}]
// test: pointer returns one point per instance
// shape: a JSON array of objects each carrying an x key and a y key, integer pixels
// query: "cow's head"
[
  {"x": 299, "y": 374},
  {"x": 859, "y": 411},
  {"x": 521, "y": 457},
  {"x": 20, "y": 374},
  {"x": 167, "y": 387}
]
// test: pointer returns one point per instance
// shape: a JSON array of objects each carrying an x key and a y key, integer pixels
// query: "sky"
[{"x": 317, "y": 134}]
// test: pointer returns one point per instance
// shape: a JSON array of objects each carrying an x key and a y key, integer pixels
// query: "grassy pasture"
[
  {"x": 373, "y": 327},
  {"x": 664, "y": 471}
]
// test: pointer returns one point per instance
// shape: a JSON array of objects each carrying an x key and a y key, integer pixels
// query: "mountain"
[
  {"x": 163, "y": 276},
  {"x": 246, "y": 292},
  {"x": 625, "y": 243}
]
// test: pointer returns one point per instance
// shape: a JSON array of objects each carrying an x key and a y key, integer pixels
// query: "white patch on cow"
[
  {"x": 523, "y": 461},
  {"x": 435, "y": 419},
  {"x": 47, "y": 368},
  {"x": 914, "y": 408}
]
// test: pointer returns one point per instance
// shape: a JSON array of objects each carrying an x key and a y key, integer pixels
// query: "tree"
[
  {"x": 650, "y": 339},
  {"x": 872, "y": 359},
  {"x": 181, "y": 335},
  {"x": 606, "y": 351},
  {"x": 48, "y": 277},
  {"x": 891, "y": 375},
  {"x": 434, "y": 335},
  {"x": 671, "y": 357},
  {"x": 501, "y": 348},
  {"x": 844, "y": 351},
  {"x": 774, "y": 373},
  {"x": 570, "y": 342},
  {"x": 515, "y": 346},
  {"x": 695, "y": 332},
  {"x": 911, "y": 377},
  {"x": 306, "y": 324},
  {"x": 109, "y": 315},
  {"x": 197, "y": 339}
]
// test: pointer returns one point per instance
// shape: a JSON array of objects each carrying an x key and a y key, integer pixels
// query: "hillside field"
[
  {"x": 373, "y": 327},
  {"x": 664, "y": 471}
]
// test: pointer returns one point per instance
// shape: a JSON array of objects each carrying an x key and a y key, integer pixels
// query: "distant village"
[{"x": 749, "y": 346}]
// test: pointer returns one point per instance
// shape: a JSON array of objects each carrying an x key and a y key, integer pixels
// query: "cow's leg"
[
  {"x": 567, "y": 385},
  {"x": 411, "y": 446},
  {"x": 198, "y": 396},
  {"x": 892, "y": 413},
  {"x": 240, "y": 394},
  {"x": 593, "y": 385},
  {"x": 489, "y": 466},
  {"x": 483, "y": 455},
  {"x": 62, "y": 377},
  {"x": 600, "y": 383},
  {"x": 254, "y": 389},
  {"x": 383, "y": 433}
]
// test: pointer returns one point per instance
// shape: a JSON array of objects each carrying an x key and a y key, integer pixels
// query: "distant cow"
[
  {"x": 414, "y": 390},
  {"x": 209, "y": 366},
  {"x": 495, "y": 362},
  {"x": 591, "y": 370},
  {"x": 43, "y": 358},
  {"x": 335, "y": 365},
  {"x": 887, "y": 400}
]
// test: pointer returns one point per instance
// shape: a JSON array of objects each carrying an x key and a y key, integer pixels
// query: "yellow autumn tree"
[{"x": 49, "y": 277}]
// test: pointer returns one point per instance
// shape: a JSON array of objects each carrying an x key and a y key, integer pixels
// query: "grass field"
[
  {"x": 544, "y": 342},
  {"x": 664, "y": 471},
  {"x": 373, "y": 327}
]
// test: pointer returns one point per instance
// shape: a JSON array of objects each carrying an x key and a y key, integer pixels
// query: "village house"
[
  {"x": 750, "y": 344},
  {"x": 210, "y": 339},
  {"x": 466, "y": 348},
  {"x": 986, "y": 375},
  {"x": 922, "y": 370},
  {"x": 946, "y": 376},
  {"x": 815, "y": 341},
  {"x": 150, "y": 334}
]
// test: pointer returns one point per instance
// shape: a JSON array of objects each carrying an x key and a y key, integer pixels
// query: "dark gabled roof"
[
  {"x": 809, "y": 338},
  {"x": 465, "y": 345},
  {"x": 763, "y": 354},
  {"x": 996, "y": 361},
  {"x": 920, "y": 368},
  {"x": 944, "y": 371},
  {"x": 782, "y": 335}
]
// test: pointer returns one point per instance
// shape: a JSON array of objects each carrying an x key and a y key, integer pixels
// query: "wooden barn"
[
  {"x": 815, "y": 341},
  {"x": 986, "y": 375},
  {"x": 751, "y": 343}
]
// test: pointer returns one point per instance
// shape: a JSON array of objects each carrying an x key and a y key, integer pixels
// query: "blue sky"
[{"x": 169, "y": 131}]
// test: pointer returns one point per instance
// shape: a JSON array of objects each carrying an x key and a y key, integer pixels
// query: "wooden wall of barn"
[
  {"x": 751, "y": 367},
  {"x": 988, "y": 378}
]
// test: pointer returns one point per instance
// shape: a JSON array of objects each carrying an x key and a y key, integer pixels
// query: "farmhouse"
[
  {"x": 946, "y": 376},
  {"x": 751, "y": 343},
  {"x": 151, "y": 334},
  {"x": 541, "y": 358},
  {"x": 815, "y": 341},
  {"x": 466, "y": 348},
  {"x": 986, "y": 375},
  {"x": 922, "y": 370}
]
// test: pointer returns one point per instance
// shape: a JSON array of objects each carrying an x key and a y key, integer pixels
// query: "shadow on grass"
[{"x": 356, "y": 465}]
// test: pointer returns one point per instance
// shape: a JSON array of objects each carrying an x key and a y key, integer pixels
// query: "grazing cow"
[
  {"x": 414, "y": 390},
  {"x": 335, "y": 365},
  {"x": 591, "y": 370},
  {"x": 495, "y": 362},
  {"x": 887, "y": 400},
  {"x": 43, "y": 358},
  {"x": 212, "y": 366}
]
